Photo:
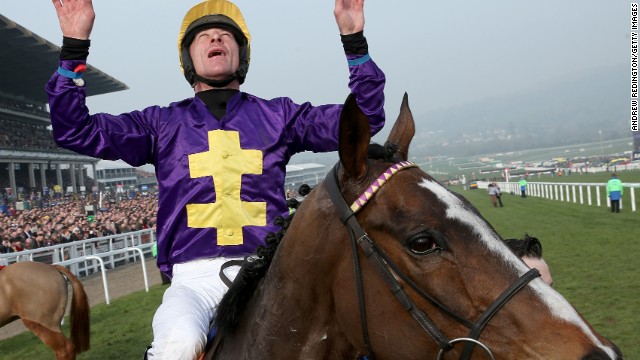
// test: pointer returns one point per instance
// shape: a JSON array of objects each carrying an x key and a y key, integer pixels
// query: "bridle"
[{"x": 386, "y": 268}]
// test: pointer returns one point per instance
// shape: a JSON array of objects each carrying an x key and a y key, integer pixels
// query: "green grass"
[{"x": 593, "y": 256}]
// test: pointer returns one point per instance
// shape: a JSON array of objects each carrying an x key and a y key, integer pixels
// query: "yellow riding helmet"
[{"x": 206, "y": 15}]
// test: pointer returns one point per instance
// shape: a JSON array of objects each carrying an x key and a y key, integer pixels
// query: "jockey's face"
[
  {"x": 215, "y": 54},
  {"x": 542, "y": 266}
]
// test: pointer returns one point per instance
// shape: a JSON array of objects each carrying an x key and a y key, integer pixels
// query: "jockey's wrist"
[
  {"x": 355, "y": 44},
  {"x": 74, "y": 49}
]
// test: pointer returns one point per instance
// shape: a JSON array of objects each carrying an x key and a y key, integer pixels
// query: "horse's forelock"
[{"x": 387, "y": 153}]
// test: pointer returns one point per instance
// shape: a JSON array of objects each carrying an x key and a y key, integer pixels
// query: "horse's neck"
[{"x": 287, "y": 319}]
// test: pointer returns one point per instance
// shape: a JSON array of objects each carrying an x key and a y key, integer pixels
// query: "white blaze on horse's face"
[{"x": 558, "y": 305}]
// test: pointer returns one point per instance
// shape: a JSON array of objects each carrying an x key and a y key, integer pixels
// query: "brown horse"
[
  {"x": 37, "y": 294},
  {"x": 409, "y": 271}
]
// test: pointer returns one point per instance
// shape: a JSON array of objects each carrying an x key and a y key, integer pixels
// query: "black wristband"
[
  {"x": 74, "y": 49},
  {"x": 355, "y": 44}
]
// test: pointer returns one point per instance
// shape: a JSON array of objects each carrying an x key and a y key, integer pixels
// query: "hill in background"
[{"x": 568, "y": 111}]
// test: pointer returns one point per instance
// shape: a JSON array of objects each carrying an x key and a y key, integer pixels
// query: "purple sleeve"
[
  {"x": 315, "y": 128},
  {"x": 129, "y": 137},
  {"x": 366, "y": 81}
]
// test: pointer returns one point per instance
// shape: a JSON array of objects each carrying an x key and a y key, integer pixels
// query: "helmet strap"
[{"x": 215, "y": 83}]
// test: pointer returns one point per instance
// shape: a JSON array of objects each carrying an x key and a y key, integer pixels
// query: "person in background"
[
  {"x": 498, "y": 194},
  {"x": 523, "y": 186},
  {"x": 6, "y": 246},
  {"x": 154, "y": 251},
  {"x": 614, "y": 192},
  {"x": 220, "y": 156},
  {"x": 493, "y": 194},
  {"x": 17, "y": 245},
  {"x": 529, "y": 249}
]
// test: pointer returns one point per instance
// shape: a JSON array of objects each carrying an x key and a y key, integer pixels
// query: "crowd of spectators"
[
  {"x": 60, "y": 220},
  {"x": 23, "y": 107},
  {"x": 25, "y": 135},
  {"x": 66, "y": 221},
  {"x": 16, "y": 135}
]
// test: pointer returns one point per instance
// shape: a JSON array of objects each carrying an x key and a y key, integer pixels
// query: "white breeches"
[{"x": 181, "y": 323}]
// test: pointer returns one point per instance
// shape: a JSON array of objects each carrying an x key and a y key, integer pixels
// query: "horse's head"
[
  {"x": 382, "y": 260},
  {"x": 429, "y": 267}
]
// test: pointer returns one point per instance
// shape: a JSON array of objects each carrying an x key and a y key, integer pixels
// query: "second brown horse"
[{"x": 37, "y": 294}]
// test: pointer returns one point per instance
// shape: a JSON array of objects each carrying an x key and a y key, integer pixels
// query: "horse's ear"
[
  {"x": 402, "y": 131},
  {"x": 354, "y": 137}
]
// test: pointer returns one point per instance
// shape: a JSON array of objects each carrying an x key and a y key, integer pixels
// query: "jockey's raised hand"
[
  {"x": 349, "y": 16},
  {"x": 76, "y": 17}
]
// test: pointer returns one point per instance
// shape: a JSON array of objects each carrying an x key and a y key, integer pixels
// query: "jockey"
[{"x": 219, "y": 156}]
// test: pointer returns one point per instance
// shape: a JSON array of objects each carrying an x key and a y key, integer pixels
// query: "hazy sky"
[{"x": 443, "y": 53}]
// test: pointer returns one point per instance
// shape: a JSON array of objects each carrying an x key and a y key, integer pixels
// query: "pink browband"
[{"x": 362, "y": 200}]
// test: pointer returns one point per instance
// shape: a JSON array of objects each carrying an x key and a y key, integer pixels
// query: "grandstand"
[
  {"x": 27, "y": 61},
  {"x": 311, "y": 174}
]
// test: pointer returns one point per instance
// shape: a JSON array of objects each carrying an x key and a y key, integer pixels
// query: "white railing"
[
  {"x": 92, "y": 255},
  {"x": 103, "y": 271},
  {"x": 582, "y": 193}
]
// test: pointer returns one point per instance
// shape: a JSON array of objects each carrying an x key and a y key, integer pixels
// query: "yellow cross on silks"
[{"x": 226, "y": 162}]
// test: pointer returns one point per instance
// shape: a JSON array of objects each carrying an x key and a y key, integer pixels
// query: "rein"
[{"x": 382, "y": 263}]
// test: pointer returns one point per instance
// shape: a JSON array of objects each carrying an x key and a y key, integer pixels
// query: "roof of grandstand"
[
  {"x": 28, "y": 61},
  {"x": 301, "y": 167}
]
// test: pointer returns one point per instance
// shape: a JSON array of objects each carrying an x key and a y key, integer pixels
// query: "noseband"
[{"x": 386, "y": 268}]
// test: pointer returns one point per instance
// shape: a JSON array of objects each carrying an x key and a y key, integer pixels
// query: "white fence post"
[{"x": 566, "y": 192}]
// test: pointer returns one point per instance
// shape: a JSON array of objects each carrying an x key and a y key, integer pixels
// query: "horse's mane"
[
  {"x": 247, "y": 280},
  {"x": 237, "y": 297}
]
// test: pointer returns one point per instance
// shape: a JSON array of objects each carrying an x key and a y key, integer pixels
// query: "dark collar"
[{"x": 216, "y": 100}]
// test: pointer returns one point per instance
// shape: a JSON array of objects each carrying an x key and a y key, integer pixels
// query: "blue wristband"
[
  {"x": 68, "y": 73},
  {"x": 361, "y": 60}
]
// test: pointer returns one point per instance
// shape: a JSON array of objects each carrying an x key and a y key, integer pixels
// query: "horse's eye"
[{"x": 422, "y": 245}]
